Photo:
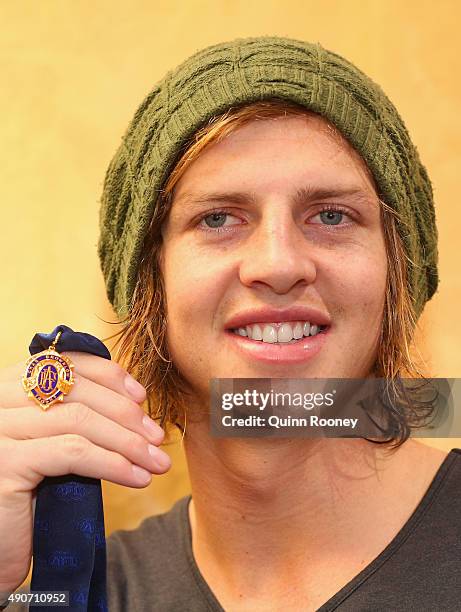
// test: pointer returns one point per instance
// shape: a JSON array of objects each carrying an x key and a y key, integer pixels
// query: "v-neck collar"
[{"x": 332, "y": 603}]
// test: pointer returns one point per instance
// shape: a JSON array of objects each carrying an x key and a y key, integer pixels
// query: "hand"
[{"x": 99, "y": 431}]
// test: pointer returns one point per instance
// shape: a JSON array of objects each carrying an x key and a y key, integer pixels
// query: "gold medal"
[{"x": 48, "y": 376}]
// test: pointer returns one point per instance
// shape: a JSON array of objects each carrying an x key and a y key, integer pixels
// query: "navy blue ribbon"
[{"x": 69, "y": 546}]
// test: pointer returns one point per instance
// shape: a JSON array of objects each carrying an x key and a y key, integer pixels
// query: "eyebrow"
[{"x": 301, "y": 196}]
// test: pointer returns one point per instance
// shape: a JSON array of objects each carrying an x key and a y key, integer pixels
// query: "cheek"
[
  {"x": 193, "y": 292},
  {"x": 355, "y": 284},
  {"x": 374, "y": 278},
  {"x": 194, "y": 287}
]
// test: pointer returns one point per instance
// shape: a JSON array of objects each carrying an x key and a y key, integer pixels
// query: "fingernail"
[
  {"x": 151, "y": 426},
  {"x": 161, "y": 458},
  {"x": 135, "y": 389},
  {"x": 141, "y": 474}
]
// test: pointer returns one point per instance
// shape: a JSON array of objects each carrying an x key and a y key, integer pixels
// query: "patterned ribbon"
[{"x": 69, "y": 547}]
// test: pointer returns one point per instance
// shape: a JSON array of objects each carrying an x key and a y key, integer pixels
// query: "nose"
[{"x": 277, "y": 253}]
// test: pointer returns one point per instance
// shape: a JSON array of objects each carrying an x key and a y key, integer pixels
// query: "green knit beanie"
[{"x": 243, "y": 71}]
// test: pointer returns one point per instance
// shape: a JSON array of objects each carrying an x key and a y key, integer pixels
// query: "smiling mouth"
[{"x": 279, "y": 333}]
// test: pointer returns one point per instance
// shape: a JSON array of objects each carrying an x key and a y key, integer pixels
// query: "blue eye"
[
  {"x": 331, "y": 217},
  {"x": 219, "y": 221},
  {"x": 216, "y": 217}
]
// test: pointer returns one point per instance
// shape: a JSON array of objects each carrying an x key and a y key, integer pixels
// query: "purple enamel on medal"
[{"x": 48, "y": 377}]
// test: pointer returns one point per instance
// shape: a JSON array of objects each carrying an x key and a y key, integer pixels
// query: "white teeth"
[
  {"x": 269, "y": 334},
  {"x": 298, "y": 330},
  {"x": 254, "y": 332},
  {"x": 285, "y": 333},
  {"x": 278, "y": 333}
]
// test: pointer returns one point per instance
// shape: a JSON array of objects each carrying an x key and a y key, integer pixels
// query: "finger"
[
  {"x": 31, "y": 460},
  {"x": 74, "y": 418},
  {"x": 12, "y": 371},
  {"x": 102, "y": 371},
  {"x": 103, "y": 400},
  {"x": 109, "y": 374}
]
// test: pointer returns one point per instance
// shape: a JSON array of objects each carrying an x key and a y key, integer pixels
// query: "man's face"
[{"x": 276, "y": 246}]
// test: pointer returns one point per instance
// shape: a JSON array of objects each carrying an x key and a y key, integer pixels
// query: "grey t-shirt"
[{"x": 152, "y": 568}]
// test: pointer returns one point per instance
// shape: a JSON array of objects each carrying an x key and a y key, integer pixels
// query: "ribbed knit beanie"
[{"x": 248, "y": 70}]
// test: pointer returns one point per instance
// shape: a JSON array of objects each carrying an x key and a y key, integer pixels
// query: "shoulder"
[
  {"x": 443, "y": 473},
  {"x": 146, "y": 565},
  {"x": 449, "y": 481},
  {"x": 440, "y": 510},
  {"x": 156, "y": 537}
]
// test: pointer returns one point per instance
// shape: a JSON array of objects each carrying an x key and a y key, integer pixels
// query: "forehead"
[{"x": 275, "y": 150}]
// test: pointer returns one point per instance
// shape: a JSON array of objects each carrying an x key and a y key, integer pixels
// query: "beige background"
[{"x": 73, "y": 74}]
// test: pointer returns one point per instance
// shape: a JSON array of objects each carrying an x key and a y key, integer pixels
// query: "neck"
[{"x": 267, "y": 503}]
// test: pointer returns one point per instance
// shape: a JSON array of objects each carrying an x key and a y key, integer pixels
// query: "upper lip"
[{"x": 277, "y": 315}]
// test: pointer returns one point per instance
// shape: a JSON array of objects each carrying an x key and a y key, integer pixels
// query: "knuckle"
[
  {"x": 77, "y": 414},
  {"x": 116, "y": 463},
  {"x": 130, "y": 412},
  {"x": 121, "y": 463},
  {"x": 75, "y": 446},
  {"x": 117, "y": 369},
  {"x": 117, "y": 373},
  {"x": 134, "y": 441},
  {"x": 136, "y": 413},
  {"x": 161, "y": 434}
]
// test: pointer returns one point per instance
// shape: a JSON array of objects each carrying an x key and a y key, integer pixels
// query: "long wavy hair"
[{"x": 142, "y": 347}]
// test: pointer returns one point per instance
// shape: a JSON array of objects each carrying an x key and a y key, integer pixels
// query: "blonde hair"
[{"x": 142, "y": 342}]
